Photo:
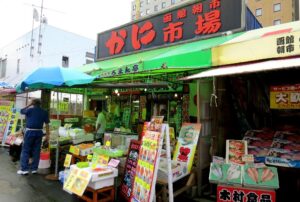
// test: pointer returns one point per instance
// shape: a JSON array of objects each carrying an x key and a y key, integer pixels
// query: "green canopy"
[{"x": 179, "y": 58}]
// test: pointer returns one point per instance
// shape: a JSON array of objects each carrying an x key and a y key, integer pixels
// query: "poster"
[
  {"x": 68, "y": 160},
  {"x": 130, "y": 169},
  {"x": 285, "y": 97},
  {"x": 236, "y": 193},
  {"x": 5, "y": 117},
  {"x": 146, "y": 166},
  {"x": 187, "y": 144},
  {"x": 11, "y": 124},
  {"x": 77, "y": 181},
  {"x": 235, "y": 150}
]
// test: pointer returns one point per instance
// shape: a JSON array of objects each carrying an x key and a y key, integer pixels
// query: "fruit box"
[
  {"x": 266, "y": 177},
  {"x": 226, "y": 173}
]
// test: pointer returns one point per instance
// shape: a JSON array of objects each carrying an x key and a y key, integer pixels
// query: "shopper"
[
  {"x": 101, "y": 125},
  {"x": 35, "y": 119}
]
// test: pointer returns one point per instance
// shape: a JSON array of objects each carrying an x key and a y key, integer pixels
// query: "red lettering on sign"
[
  {"x": 197, "y": 8},
  {"x": 173, "y": 31},
  {"x": 211, "y": 23},
  {"x": 181, "y": 13},
  {"x": 116, "y": 42},
  {"x": 214, "y": 4},
  {"x": 167, "y": 18},
  {"x": 147, "y": 32}
]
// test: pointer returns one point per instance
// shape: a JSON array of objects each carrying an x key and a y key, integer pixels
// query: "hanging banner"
[
  {"x": 235, "y": 193},
  {"x": 285, "y": 97},
  {"x": 187, "y": 144},
  {"x": 203, "y": 19},
  {"x": 130, "y": 169}
]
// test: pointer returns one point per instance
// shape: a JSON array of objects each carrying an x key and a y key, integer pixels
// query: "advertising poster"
[
  {"x": 285, "y": 97},
  {"x": 130, "y": 169},
  {"x": 5, "y": 117},
  {"x": 235, "y": 150},
  {"x": 146, "y": 166},
  {"x": 187, "y": 143},
  {"x": 77, "y": 181}
]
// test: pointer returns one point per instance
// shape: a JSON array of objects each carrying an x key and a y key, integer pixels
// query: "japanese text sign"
[
  {"x": 195, "y": 20},
  {"x": 242, "y": 194},
  {"x": 130, "y": 168},
  {"x": 285, "y": 97}
]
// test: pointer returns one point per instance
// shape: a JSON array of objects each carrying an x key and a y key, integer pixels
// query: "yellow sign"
[
  {"x": 63, "y": 106},
  {"x": 271, "y": 46},
  {"x": 103, "y": 160},
  {"x": 74, "y": 150},
  {"x": 67, "y": 162},
  {"x": 285, "y": 97}
]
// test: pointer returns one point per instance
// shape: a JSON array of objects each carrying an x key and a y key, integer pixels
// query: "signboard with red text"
[
  {"x": 243, "y": 194},
  {"x": 201, "y": 19},
  {"x": 285, "y": 97}
]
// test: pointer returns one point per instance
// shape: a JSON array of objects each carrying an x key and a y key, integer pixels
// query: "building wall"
[
  {"x": 55, "y": 44},
  {"x": 269, "y": 16},
  {"x": 149, "y": 7}
]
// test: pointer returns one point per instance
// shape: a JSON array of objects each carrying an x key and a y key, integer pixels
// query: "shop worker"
[
  {"x": 36, "y": 117},
  {"x": 101, "y": 125}
]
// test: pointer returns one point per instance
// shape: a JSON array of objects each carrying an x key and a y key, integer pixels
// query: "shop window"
[
  {"x": 276, "y": 22},
  {"x": 277, "y": 7},
  {"x": 258, "y": 12},
  {"x": 65, "y": 61},
  {"x": 156, "y": 8},
  {"x": 163, "y": 4}
]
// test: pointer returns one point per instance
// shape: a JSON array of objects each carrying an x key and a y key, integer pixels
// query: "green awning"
[{"x": 179, "y": 58}]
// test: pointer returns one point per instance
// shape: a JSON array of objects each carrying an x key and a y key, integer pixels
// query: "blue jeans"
[{"x": 31, "y": 147}]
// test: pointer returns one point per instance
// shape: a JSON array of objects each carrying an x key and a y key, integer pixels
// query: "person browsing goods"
[{"x": 36, "y": 117}]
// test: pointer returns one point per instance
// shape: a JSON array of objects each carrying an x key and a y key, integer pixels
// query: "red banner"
[{"x": 243, "y": 194}]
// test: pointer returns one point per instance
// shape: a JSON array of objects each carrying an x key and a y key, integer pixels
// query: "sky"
[{"x": 83, "y": 17}]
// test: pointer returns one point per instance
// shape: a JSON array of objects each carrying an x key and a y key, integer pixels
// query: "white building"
[
  {"x": 54, "y": 47},
  {"x": 142, "y": 8}
]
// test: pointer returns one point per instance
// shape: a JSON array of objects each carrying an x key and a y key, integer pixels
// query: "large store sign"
[
  {"x": 285, "y": 97},
  {"x": 244, "y": 194},
  {"x": 197, "y": 20}
]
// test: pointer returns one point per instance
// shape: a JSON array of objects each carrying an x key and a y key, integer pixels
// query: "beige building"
[{"x": 273, "y": 12}]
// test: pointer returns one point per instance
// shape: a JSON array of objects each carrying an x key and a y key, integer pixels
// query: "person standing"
[
  {"x": 101, "y": 125},
  {"x": 36, "y": 117}
]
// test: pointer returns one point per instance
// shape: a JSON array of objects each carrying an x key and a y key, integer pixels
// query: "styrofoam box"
[{"x": 101, "y": 183}]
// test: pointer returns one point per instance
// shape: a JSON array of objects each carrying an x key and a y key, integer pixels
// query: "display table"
[{"x": 103, "y": 194}]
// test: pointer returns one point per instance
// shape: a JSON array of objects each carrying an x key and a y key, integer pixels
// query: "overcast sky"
[{"x": 84, "y": 17}]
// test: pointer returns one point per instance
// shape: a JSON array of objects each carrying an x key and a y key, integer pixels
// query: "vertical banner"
[
  {"x": 5, "y": 116},
  {"x": 147, "y": 161},
  {"x": 130, "y": 169},
  {"x": 285, "y": 97},
  {"x": 187, "y": 144}
]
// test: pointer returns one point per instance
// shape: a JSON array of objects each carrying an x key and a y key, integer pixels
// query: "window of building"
[
  {"x": 147, "y": 11},
  {"x": 163, "y": 4},
  {"x": 18, "y": 66},
  {"x": 133, "y": 7},
  {"x": 142, "y": 14},
  {"x": 277, "y": 7},
  {"x": 65, "y": 61},
  {"x": 3, "y": 63},
  {"x": 148, "y": 1},
  {"x": 156, "y": 8},
  {"x": 277, "y": 22},
  {"x": 173, "y": 2},
  {"x": 141, "y": 4},
  {"x": 258, "y": 12}
]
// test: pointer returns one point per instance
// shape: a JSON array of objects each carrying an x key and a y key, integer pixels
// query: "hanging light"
[
  {"x": 118, "y": 94},
  {"x": 145, "y": 89},
  {"x": 106, "y": 96},
  {"x": 176, "y": 95},
  {"x": 116, "y": 91}
]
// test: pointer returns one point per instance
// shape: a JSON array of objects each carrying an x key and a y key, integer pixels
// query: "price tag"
[
  {"x": 67, "y": 162},
  {"x": 249, "y": 158}
]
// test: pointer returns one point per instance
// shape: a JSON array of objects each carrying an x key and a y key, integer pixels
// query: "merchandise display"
[
  {"x": 235, "y": 150},
  {"x": 225, "y": 173}
]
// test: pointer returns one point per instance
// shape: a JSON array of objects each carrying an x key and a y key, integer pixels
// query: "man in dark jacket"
[{"x": 36, "y": 117}]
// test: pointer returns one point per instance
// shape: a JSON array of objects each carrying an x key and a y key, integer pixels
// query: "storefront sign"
[
  {"x": 192, "y": 21},
  {"x": 135, "y": 68},
  {"x": 242, "y": 194},
  {"x": 130, "y": 168},
  {"x": 285, "y": 97}
]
